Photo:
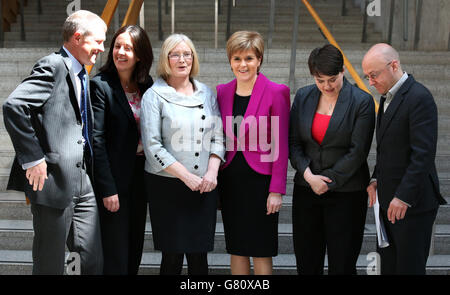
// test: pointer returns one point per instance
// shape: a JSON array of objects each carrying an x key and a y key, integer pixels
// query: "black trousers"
[
  {"x": 332, "y": 223},
  {"x": 123, "y": 231},
  {"x": 409, "y": 244}
]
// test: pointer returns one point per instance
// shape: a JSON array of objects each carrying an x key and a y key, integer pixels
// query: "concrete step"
[
  {"x": 14, "y": 207},
  {"x": 196, "y": 36},
  {"x": 276, "y": 54},
  {"x": 14, "y": 262},
  {"x": 198, "y": 44},
  {"x": 18, "y": 235},
  {"x": 15, "y": 71},
  {"x": 202, "y": 23}
]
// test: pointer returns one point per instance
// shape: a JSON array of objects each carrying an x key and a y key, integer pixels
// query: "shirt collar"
[
  {"x": 169, "y": 93},
  {"x": 76, "y": 66},
  {"x": 391, "y": 93}
]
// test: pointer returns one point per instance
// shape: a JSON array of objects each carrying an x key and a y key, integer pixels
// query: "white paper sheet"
[{"x": 382, "y": 238}]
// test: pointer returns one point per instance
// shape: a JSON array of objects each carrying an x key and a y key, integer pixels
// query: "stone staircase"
[{"x": 196, "y": 19}]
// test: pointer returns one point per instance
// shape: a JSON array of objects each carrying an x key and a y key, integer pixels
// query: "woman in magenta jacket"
[{"x": 255, "y": 115}]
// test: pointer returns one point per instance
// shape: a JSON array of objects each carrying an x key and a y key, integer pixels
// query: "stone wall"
[{"x": 434, "y": 34}]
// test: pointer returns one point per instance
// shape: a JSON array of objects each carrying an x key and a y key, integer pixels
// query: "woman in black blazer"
[
  {"x": 331, "y": 130},
  {"x": 119, "y": 159}
]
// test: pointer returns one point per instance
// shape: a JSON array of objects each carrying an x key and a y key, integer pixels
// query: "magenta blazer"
[{"x": 263, "y": 135}]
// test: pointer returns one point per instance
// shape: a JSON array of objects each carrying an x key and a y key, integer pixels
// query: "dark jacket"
[
  {"x": 342, "y": 156},
  {"x": 115, "y": 135},
  {"x": 406, "y": 149}
]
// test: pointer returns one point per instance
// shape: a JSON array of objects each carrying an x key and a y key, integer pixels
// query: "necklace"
[
  {"x": 128, "y": 87},
  {"x": 330, "y": 107}
]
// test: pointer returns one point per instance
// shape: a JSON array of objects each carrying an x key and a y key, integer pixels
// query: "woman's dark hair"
[
  {"x": 142, "y": 49},
  {"x": 326, "y": 60}
]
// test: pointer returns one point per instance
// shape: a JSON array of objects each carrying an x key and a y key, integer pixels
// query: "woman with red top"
[
  {"x": 119, "y": 159},
  {"x": 330, "y": 134}
]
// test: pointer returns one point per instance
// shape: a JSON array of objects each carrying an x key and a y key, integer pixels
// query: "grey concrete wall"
[
  {"x": 434, "y": 25},
  {"x": 435, "y": 30}
]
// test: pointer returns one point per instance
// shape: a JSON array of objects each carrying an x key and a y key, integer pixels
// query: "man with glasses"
[{"x": 405, "y": 175}]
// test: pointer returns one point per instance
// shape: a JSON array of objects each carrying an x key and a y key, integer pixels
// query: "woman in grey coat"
[{"x": 183, "y": 142}]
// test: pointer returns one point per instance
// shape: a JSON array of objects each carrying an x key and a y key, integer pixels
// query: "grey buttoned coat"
[{"x": 176, "y": 127}]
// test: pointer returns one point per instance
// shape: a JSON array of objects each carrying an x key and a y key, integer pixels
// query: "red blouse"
[{"x": 319, "y": 127}]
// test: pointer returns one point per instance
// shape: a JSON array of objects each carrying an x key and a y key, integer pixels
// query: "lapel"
[
  {"x": 378, "y": 117},
  {"x": 88, "y": 90},
  {"x": 340, "y": 109},
  {"x": 393, "y": 107},
  {"x": 255, "y": 100},
  {"x": 227, "y": 106},
  {"x": 120, "y": 97},
  {"x": 73, "y": 89},
  {"x": 310, "y": 107}
]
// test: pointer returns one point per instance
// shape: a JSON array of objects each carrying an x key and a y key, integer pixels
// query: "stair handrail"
[
  {"x": 332, "y": 41},
  {"x": 9, "y": 9},
  {"x": 1, "y": 25},
  {"x": 131, "y": 16}
]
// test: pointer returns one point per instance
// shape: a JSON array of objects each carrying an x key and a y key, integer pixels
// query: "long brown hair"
[{"x": 142, "y": 48}]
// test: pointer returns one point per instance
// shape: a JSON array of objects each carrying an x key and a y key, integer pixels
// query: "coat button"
[
  {"x": 78, "y": 164},
  {"x": 203, "y": 117},
  {"x": 200, "y": 106},
  {"x": 202, "y": 129},
  {"x": 79, "y": 141},
  {"x": 196, "y": 167},
  {"x": 197, "y": 154}
]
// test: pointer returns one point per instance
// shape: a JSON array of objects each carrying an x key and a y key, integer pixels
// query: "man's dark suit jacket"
[
  {"x": 342, "y": 156},
  {"x": 43, "y": 119},
  {"x": 406, "y": 148},
  {"x": 115, "y": 135}
]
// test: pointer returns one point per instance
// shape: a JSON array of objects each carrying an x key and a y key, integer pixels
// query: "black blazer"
[
  {"x": 406, "y": 148},
  {"x": 342, "y": 156},
  {"x": 115, "y": 135}
]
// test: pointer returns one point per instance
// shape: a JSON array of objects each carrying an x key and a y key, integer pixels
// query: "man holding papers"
[{"x": 405, "y": 176}]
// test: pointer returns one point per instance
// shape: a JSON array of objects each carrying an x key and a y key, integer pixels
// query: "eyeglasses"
[
  {"x": 177, "y": 56},
  {"x": 374, "y": 75}
]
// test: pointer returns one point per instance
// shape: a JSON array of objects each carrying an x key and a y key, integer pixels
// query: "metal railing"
[
  {"x": 330, "y": 39},
  {"x": 391, "y": 21},
  {"x": 419, "y": 4},
  {"x": 364, "y": 30},
  {"x": 217, "y": 11},
  {"x": 405, "y": 22},
  {"x": 9, "y": 10},
  {"x": 131, "y": 17},
  {"x": 1, "y": 25}
]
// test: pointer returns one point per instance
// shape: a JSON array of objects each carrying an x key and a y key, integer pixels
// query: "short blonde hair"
[
  {"x": 246, "y": 40},
  {"x": 169, "y": 44}
]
